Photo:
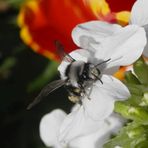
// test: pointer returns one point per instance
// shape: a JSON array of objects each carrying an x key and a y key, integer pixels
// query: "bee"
[{"x": 79, "y": 78}]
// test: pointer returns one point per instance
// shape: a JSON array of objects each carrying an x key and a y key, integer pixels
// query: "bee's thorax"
[{"x": 80, "y": 75}]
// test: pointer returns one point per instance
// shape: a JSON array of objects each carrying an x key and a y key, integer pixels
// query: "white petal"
[
  {"x": 146, "y": 47},
  {"x": 85, "y": 141},
  {"x": 102, "y": 97},
  {"x": 145, "y": 53},
  {"x": 100, "y": 105},
  {"x": 123, "y": 48},
  {"x": 102, "y": 134},
  {"x": 112, "y": 125},
  {"x": 49, "y": 127},
  {"x": 117, "y": 122},
  {"x": 110, "y": 71},
  {"x": 118, "y": 146},
  {"x": 78, "y": 134},
  {"x": 77, "y": 124},
  {"x": 78, "y": 55},
  {"x": 93, "y": 31},
  {"x": 113, "y": 87},
  {"x": 139, "y": 13}
]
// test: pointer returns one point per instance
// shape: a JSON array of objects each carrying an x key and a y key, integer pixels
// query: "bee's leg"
[
  {"x": 82, "y": 92},
  {"x": 90, "y": 90},
  {"x": 85, "y": 92},
  {"x": 80, "y": 102},
  {"x": 102, "y": 62}
]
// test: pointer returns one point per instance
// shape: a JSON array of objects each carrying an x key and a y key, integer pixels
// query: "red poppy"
[{"x": 44, "y": 21}]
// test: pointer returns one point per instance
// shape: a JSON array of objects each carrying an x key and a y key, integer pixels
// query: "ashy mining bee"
[{"x": 79, "y": 77}]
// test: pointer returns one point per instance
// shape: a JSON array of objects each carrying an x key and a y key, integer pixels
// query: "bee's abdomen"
[{"x": 74, "y": 93}]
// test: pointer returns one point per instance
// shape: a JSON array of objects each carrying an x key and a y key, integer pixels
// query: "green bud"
[
  {"x": 141, "y": 70},
  {"x": 145, "y": 100},
  {"x": 143, "y": 144},
  {"x": 136, "y": 89},
  {"x": 131, "y": 78},
  {"x": 136, "y": 132}
]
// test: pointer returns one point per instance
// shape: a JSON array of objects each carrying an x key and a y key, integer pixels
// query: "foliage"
[
  {"x": 135, "y": 110},
  {"x": 22, "y": 75}
]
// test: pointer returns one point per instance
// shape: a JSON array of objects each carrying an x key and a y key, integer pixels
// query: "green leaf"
[
  {"x": 128, "y": 137},
  {"x": 145, "y": 99},
  {"x": 142, "y": 144},
  {"x": 14, "y": 3},
  {"x": 136, "y": 113},
  {"x": 131, "y": 78},
  {"x": 135, "y": 100},
  {"x": 136, "y": 89},
  {"x": 141, "y": 70},
  {"x": 135, "y": 134},
  {"x": 6, "y": 66}
]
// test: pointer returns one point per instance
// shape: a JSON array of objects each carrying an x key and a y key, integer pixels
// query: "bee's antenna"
[
  {"x": 103, "y": 62},
  {"x": 116, "y": 59},
  {"x": 98, "y": 79}
]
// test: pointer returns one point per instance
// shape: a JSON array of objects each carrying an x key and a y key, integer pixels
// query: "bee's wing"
[
  {"x": 46, "y": 91},
  {"x": 62, "y": 53}
]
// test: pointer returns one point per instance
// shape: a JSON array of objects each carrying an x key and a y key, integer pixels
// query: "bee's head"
[
  {"x": 90, "y": 72},
  {"x": 93, "y": 72}
]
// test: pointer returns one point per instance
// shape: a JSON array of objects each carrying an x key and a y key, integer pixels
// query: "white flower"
[
  {"x": 101, "y": 41},
  {"x": 139, "y": 16},
  {"x": 50, "y": 125}
]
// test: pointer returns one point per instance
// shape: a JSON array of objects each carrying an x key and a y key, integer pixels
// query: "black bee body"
[{"x": 80, "y": 76}]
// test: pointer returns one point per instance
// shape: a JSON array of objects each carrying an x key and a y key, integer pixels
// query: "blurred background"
[
  {"x": 28, "y": 60},
  {"x": 22, "y": 74}
]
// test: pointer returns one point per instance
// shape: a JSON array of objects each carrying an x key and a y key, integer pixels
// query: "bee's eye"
[
  {"x": 84, "y": 74},
  {"x": 95, "y": 71}
]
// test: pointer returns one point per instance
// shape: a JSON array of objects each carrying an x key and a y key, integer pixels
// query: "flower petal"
[
  {"x": 77, "y": 124},
  {"x": 49, "y": 127},
  {"x": 145, "y": 53},
  {"x": 100, "y": 105},
  {"x": 44, "y": 21},
  {"x": 78, "y": 130},
  {"x": 102, "y": 97},
  {"x": 101, "y": 135},
  {"x": 139, "y": 13},
  {"x": 93, "y": 31},
  {"x": 118, "y": 47},
  {"x": 146, "y": 47},
  {"x": 117, "y": 6},
  {"x": 111, "y": 127},
  {"x": 114, "y": 87}
]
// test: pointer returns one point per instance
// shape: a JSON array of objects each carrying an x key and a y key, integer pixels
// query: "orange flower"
[
  {"x": 120, "y": 74},
  {"x": 44, "y": 21}
]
